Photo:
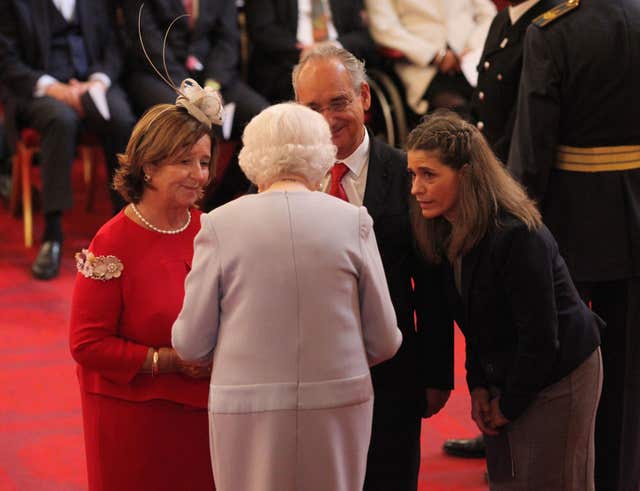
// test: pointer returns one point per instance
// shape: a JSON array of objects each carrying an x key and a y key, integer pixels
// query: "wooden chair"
[{"x": 90, "y": 152}]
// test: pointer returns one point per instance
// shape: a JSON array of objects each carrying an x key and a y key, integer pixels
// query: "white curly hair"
[{"x": 286, "y": 139}]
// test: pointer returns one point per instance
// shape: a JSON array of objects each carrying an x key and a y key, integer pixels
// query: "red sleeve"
[{"x": 95, "y": 313}]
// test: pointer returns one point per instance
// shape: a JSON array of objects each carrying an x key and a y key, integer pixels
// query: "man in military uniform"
[
  {"x": 576, "y": 148},
  {"x": 493, "y": 105}
]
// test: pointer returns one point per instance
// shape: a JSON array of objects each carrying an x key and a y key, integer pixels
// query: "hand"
[
  {"x": 69, "y": 94},
  {"x": 193, "y": 64},
  {"x": 449, "y": 64},
  {"x": 436, "y": 399},
  {"x": 497, "y": 419},
  {"x": 481, "y": 410},
  {"x": 193, "y": 370},
  {"x": 190, "y": 369}
]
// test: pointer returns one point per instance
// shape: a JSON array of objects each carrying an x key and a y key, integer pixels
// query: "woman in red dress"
[{"x": 144, "y": 409}]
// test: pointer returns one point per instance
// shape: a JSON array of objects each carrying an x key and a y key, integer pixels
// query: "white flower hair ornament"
[{"x": 205, "y": 104}]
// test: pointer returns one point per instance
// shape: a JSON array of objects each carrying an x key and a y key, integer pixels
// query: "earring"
[{"x": 147, "y": 178}]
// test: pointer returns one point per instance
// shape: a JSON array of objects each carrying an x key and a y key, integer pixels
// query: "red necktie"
[
  {"x": 188, "y": 8},
  {"x": 337, "y": 173}
]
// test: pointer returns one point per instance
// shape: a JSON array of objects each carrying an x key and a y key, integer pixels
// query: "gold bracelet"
[{"x": 155, "y": 370}]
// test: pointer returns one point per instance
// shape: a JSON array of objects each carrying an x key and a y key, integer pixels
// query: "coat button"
[
  {"x": 489, "y": 368},
  {"x": 480, "y": 125},
  {"x": 481, "y": 95},
  {"x": 486, "y": 65},
  {"x": 504, "y": 42},
  {"x": 499, "y": 76}
]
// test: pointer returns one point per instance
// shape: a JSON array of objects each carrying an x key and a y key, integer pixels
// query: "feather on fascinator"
[{"x": 202, "y": 104}]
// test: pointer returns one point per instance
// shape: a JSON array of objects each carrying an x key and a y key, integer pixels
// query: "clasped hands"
[
  {"x": 71, "y": 92},
  {"x": 486, "y": 412},
  {"x": 170, "y": 362}
]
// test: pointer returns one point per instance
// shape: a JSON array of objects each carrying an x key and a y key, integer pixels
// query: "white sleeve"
[
  {"x": 195, "y": 332},
  {"x": 388, "y": 30},
  {"x": 382, "y": 338}
]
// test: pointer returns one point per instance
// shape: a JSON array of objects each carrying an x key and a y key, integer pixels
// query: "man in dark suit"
[
  {"x": 576, "y": 147},
  {"x": 56, "y": 60},
  {"x": 204, "y": 45},
  {"x": 281, "y": 30},
  {"x": 418, "y": 379}
]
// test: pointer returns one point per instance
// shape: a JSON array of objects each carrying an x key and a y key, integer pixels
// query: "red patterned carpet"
[{"x": 41, "y": 444}]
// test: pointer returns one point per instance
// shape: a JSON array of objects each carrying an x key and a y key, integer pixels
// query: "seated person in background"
[
  {"x": 289, "y": 296},
  {"x": 281, "y": 31},
  {"x": 204, "y": 45},
  {"x": 434, "y": 36},
  {"x": 144, "y": 409},
  {"x": 58, "y": 65}
]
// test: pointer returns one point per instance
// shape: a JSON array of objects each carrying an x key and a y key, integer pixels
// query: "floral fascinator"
[{"x": 203, "y": 104}]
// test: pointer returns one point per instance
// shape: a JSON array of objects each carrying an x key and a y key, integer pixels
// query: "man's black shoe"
[
  {"x": 47, "y": 263},
  {"x": 472, "y": 448}
]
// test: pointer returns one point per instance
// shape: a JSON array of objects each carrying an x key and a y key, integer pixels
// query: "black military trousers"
[{"x": 618, "y": 420}]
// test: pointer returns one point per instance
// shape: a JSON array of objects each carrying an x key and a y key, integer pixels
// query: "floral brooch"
[{"x": 98, "y": 267}]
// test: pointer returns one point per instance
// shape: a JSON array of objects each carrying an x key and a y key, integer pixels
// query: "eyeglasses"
[{"x": 337, "y": 105}]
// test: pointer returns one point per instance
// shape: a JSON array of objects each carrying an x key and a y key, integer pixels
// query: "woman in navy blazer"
[{"x": 533, "y": 358}]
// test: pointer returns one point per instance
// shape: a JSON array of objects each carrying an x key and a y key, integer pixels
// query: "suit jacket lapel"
[
  {"x": 40, "y": 27},
  {"x": 293, "y": 15},
  {"x": 377, "y": 174}
]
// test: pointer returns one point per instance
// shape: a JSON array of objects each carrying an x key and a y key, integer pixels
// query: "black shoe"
[
  {"x": 47, "y": 263},
  {"x": 472, "y": 448}
]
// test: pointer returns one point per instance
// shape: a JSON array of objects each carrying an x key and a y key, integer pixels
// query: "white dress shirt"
[
  {"x": 354, "y": 181},
  {"x": 66, "y": 7},
  {"x": 517, "y": 11},
  {"x": 305, "y": 29}
]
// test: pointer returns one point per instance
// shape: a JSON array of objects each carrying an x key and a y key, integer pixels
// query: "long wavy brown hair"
[{"x": 486, "y": 188}]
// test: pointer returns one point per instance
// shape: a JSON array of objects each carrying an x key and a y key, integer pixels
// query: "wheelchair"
[{"x": 388, "y": 116}]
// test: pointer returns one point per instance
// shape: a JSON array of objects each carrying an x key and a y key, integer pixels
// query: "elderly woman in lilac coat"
[{"x": 288, "y": 295}]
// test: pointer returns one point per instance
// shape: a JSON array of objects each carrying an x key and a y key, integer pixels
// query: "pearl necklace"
[{"x": 159, "y": 230}]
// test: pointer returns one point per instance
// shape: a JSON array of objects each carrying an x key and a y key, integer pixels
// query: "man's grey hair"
[{"x": 326, "y": 51}]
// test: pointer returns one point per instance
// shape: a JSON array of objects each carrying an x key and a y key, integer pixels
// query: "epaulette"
[{"x": 558, "y": 11}]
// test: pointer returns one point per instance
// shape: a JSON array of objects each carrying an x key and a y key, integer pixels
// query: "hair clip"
[{"x": 203, "y": 104}]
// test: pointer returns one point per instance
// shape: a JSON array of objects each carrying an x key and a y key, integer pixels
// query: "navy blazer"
[{"x": 525, "y": 325}]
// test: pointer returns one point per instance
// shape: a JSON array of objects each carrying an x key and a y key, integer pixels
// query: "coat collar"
[{"x": 514, "y": 32}]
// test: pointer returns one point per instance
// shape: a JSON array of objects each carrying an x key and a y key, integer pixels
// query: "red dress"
[{"x": 141, "y": 432}]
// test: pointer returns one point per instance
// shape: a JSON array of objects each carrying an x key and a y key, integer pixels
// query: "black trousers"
[
  {"x": 618, "y": 420},
  {"x": 59, "y": 126},
  {"x": 393, "y": 460}
]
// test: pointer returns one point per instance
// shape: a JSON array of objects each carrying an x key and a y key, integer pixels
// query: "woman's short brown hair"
[
  {"x": 486, "y": 187},
  {"x": 164, "y": 132}
]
